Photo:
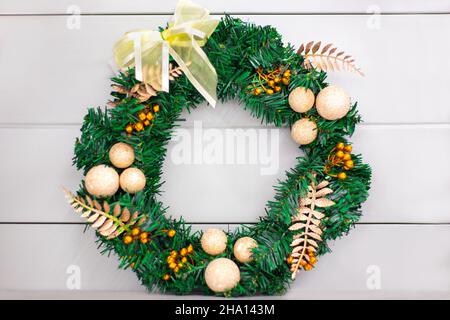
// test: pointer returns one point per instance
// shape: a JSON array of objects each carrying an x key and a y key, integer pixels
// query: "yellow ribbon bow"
[{"x": 148, "y": 51}]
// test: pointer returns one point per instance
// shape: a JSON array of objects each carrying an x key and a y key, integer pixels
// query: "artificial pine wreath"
[{"x": 122, "y": 148}]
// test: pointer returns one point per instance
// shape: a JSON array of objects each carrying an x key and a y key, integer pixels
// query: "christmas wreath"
[{"x": 122, "y": 148}]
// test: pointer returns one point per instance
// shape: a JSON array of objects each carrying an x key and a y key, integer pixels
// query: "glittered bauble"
[
  {"x": 332, "y": 103},
  {"x": 132, "y": 180},
  {"x": 243, "y": 249},
  {"x": 222, "y": 274},
  {"x": 304, "y": 131},
  {"x": 121, "y": 155},
  {"x": 214, "y": 241},
  {"x": 301, "y": 99},
  {"x": 102, "y": 181}
]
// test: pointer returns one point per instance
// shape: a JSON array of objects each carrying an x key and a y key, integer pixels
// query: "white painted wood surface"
[
  {"x": 69, "y": 70},
  {"x": 39, "y": 158},
  {"x": 41, "y": 259},
  {"x": 49, "y": 79},
  {"x": 220, "y": 6}
]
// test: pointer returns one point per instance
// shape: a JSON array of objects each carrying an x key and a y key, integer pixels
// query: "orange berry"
[
  {"x": 171, "y": 233},
  {"x": 184, "y": 260},
  {"x": 271, "y": 83},
  {"x": 144, "y": 240},
  {"x": 142, "y": 116},
  {"x": 139, "y": 126},
  {"x": 308, "y": 267},
  {"x": 348, "y": 148},
  {"x": 173, "y": 253},
  {"x": 342, "y": 175},
  {"x": 146, "y": 123},
  {"x": 346, "y": 157},
  {"x": 190, "y": 248},
  {"x": 340, "y": 146},
  {"x": 312, "y": 260},
  {"x": 150, "y": 116},
  {"x": 269, "y": 91},
  {"x": 289, "y": 260},
  {"x": 285, "y": 81},
  {"x": 302, "y": 263},
  {"x": 180, "y": 265},
  {"x": 349, "y": 164},
  {"x": 170, "y": 259},
  {"x": 129, "y": 128},
  {"x": 173, "y": 265},
  {"x": 156, "y": 108},
  {"x": 277, "y": 79},
  {"x": 176, "y": 269},
  {"x": 277, "y": 88},
  {"x": 257, "y": 91},
  {"x": 287, "y": 73},
  {"x": 166, "y": 277},
  {"x": 340, "y": 154},
  {"x": 183, "y": 252},
  {"x": 127, "y": 239},
  {"x": 135, "y": 231}
]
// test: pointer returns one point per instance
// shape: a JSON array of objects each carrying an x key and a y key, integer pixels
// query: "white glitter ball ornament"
[
  {"x": 132, "y": 180},
  {"x": 214, "y": 241},
  {"x": 222, "y": 274},
  {"x": 121, "y": 155},
  {"x": 332, "y": 103},
  {"x": 301, "y": 99},
  {"x": 304, "y": 131},
  {"x": 102, "y": 181},
  {"x": 243, "y": 249}
]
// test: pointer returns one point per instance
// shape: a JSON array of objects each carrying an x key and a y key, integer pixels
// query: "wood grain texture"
[
  {"x": 39, "y": 158},
  {"x": 41, "y": 262},
  {"x": 220, "y": 6},
  {"x": 71, "y": 71}
]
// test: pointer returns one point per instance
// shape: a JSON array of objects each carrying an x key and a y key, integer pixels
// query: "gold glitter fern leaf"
[
  {"x": 307, "y": 222},
  {"x": 144, "y": 91},
  {"x": 108, "y": 223},
  {"x": 328, "y": 58}
]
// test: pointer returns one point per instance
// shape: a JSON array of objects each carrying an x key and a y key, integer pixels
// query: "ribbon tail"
[
  {"x": 137, "y": 55},
  {"x": 198, "y": 69},
  {"x": 165, "y": 66}
]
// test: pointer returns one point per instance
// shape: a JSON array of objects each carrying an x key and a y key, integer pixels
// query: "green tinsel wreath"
[{"x": 237, "y": 50}]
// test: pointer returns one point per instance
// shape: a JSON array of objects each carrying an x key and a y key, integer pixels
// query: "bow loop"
[{"x": 148, "y": 51}]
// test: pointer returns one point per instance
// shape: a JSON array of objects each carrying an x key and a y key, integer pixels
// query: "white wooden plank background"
[
  {"x": 39, "y": 158},
  {"x": 49, "y": 79},
  {"x": 220, "y": 6},
  {"x": 388, "y": 247},
  {"x": 79, "y": 60}
]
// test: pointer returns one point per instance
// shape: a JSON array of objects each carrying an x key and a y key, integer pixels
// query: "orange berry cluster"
[
  {"x": 145, "y": 117},
  {"x": 340, "y": 156},
  {"x": 272, "y": 81},
  {"x": 178, "y": 259},
  {"x": 136, "y": 235},
  {"x": 307, "y": 263}
]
